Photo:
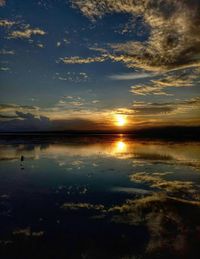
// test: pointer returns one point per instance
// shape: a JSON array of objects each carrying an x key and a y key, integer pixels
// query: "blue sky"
[{"x": 92, "y": 60}]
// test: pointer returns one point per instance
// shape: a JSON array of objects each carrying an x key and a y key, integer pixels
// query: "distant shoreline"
[{"x": 174, "y": 133}]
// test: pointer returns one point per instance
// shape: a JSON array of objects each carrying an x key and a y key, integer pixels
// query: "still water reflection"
[{"x": 99, "y": 197}]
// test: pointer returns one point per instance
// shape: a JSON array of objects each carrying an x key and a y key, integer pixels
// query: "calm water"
[{"x": 99, "y": 197}]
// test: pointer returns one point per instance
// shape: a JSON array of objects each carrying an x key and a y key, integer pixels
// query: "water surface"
[{"x": 99, "y": 197}]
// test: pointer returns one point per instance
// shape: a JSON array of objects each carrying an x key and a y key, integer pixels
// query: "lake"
[{"x": 104, "y": 196}]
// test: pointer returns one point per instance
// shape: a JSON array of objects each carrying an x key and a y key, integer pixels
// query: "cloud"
[
  {"x": 70, "y": 101},
  {"x": 76, "y": 113},
  {"x": 174, "y": 39},
  {"x": 7, "y": 52},
  {"x": 58, "y": 44},
  {"x": 2, "y": 2},
  {"x": 131, "y": 76},
  {"x": 77, "y": 206},
  {"x": 169, "y": 226},
  {"x": 150, "y": 108},
  {"x": 6, "y": 23},
  {"x": 181, "y": 78},
  {"x": 27, "y": 232},
  {"x": 27, "y": 33},
  {"x": 78, "y": 60},
  {"x": 40, "y": 45},
  {"x": 25, "y": 118},
  {"x": 95, "y": 101},
  {"x": 25, "y": 115},
  {"x": 73, "y": 103},
  {"x": 156, "y": 181},
  {"x": 72, "y": 77},
  {"x": 70, "y": 112},
  {"x": 4, "y": 68},
  {"x": 8, "y": 116},
  {"x": 26, "y": 122},
  {"x": 188, "y": 106},
  {"x": 76, "y": 103},
  {"x": 15, "y": 107},
  {"x": 148, "y": 90}
]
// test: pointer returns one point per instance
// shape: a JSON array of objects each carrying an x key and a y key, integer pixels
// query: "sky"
[{"x": 99, "y": 65}]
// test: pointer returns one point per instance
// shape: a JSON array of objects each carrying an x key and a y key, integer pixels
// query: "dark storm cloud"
[
  {"x": 22, "y": 115},
  {"x": 26, "y": 122},
  {"x": 22, "y": 121},
  {"x": 12, "y": 111},
  {"x": 174, "y": 39}
]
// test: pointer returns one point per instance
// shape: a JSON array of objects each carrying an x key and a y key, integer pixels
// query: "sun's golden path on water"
[{"x": 120, "y": 146}]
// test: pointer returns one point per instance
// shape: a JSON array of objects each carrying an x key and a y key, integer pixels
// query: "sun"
[{"x": 120, "y": 120}]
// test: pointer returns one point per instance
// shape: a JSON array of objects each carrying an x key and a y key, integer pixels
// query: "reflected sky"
[{"x": 136, "y": 193}]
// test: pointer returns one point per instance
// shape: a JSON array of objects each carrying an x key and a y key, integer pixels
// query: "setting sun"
[{"x": 120, "y": 120}]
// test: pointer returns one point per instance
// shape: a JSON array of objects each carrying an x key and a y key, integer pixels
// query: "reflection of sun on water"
[{"x": 120, "y": 147}]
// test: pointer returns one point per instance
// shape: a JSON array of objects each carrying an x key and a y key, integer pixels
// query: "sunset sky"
[{"x": 99, "y": 65}]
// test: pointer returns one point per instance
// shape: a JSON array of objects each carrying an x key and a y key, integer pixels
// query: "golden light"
[
  {"x": 120, "y": 146},
  {"x": 120, "y": 120}
]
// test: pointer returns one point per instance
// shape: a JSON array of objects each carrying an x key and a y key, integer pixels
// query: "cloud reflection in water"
[{"x": 143, "y": 196}]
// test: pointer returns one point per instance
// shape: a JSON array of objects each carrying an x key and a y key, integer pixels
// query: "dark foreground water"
[{"x": 99, "y": 197}]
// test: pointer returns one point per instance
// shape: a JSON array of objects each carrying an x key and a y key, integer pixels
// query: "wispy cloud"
[
  {"x": 78, "y": 206},
  {"x": 157, "y": 180},
  {"x": 152, "y": 212},
  {"x": 189, "y": 107},
  {"x": 174, "y": 37},
  {"x": 2, "y": 2},
  {"x": 78, "y": 60},
  {"x": 148, "y": 90},
  {"x": 4, "y": 68},
  {"x": 131, "y": 76},
  {"x": 7, "y": 52},
  {"x": 182, "y": 78},
  {"x": 76, "y": 77},
  {"x": 40, "y": 45},
  {"x": 6, "y": 23},
  {"x": 27, "y": 33}
]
